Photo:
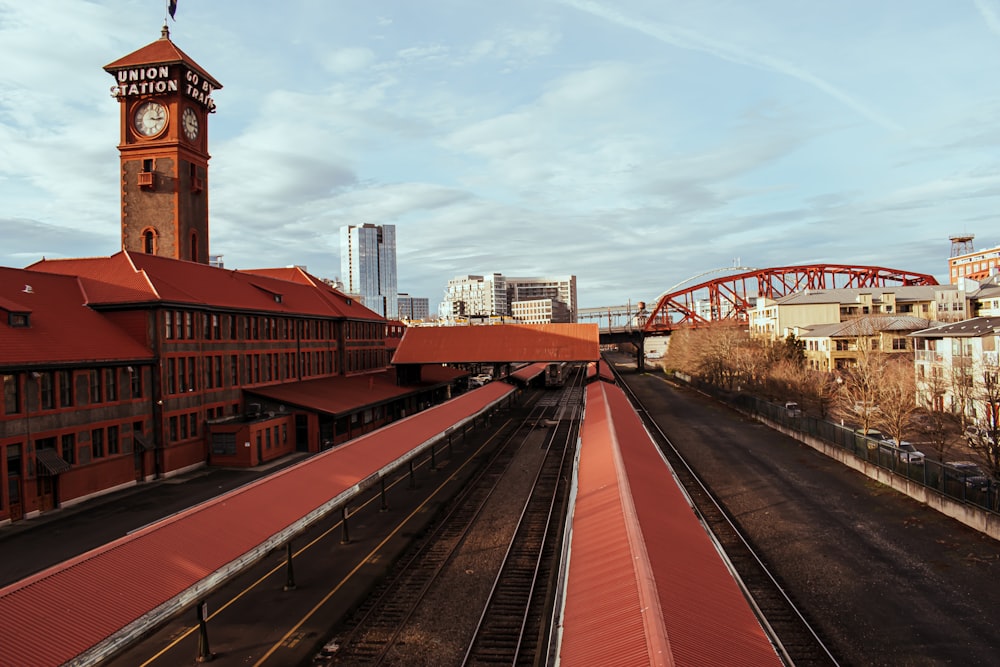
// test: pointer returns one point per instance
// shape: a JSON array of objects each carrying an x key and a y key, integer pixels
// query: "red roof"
[
  {"x": 61, "y": 328},
  {"x": 529, "y": 372},
  {"x": 498, "y": 343},
  {"x": 162, "y": 51},
  {"x": 89, "y": 599},
  {"x": 645, "y": 584},
  {"x": 128, "y": 277},
  {"x": 337, "y": 395}
]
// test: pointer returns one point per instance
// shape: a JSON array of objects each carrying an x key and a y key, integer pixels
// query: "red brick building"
[{"x": 150, "y": 362}]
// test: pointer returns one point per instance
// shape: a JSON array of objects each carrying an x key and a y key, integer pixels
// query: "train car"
[{"x": 555, "y": 374}]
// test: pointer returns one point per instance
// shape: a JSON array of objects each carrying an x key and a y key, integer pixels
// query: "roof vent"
[{"x": 27, "y": 290}]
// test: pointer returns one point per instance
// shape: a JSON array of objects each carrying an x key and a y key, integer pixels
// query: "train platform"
[{"x": 96, "y": 601}]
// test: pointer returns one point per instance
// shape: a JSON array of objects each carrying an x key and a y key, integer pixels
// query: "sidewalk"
[{"x": 32, "y": 545}]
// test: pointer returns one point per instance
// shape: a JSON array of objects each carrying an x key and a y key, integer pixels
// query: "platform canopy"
[{"x": 500, "y": 343}]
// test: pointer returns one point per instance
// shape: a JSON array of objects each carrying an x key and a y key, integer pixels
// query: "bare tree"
[
  {"x": 935, "y": 425},
  {"x": 897, "y": 397},
  {"x": 987, "y": 398},
  {"x": 861, "y": 390}
]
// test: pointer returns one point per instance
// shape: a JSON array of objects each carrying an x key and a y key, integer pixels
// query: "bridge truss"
[{"x": 731, "y": 297}]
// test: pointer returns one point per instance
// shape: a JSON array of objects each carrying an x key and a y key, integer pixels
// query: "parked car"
[
  {"x": 792, "y": 409},
  {"x": 874, "y": 436},
  {"x": 903, "y": 451},
  {"x": 978, "y": 436},
  {"x": 966, "y": 472}
]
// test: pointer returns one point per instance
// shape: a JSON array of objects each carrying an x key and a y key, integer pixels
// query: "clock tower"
[{"x": 165, "y": 100}]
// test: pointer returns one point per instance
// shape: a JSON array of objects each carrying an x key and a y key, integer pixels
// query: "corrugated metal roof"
[
  {"x": 55, "y": 615},
  {"x": 866, "y": 326},
  {"x": 971, "y": 328},
  {"x": 336, "y": 395},
  {"x": 645, "y": 585},
  {"x": 499, "y": 343},
  {"x": 529, "y": 372}
]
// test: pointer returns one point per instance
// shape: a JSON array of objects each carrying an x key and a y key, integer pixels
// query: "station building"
[{"x": 152, "y": 361}]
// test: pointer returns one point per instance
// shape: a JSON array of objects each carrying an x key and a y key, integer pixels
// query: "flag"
[{"x": 172, "y": 8}]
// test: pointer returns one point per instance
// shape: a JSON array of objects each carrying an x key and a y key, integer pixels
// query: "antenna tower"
[{"x": 962, "y": 244}]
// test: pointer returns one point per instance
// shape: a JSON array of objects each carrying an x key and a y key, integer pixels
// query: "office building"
[
  {"x": 368, "y": 266},
  {"x": 414, "y": 307}
]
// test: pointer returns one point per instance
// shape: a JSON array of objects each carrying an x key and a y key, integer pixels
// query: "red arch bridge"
[{"x": 729, "y": 298}]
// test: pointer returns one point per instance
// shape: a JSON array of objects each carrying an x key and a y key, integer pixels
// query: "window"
[
  {"x": 149, "y": 242},
  {"x": 11, "y": 394},
  {"x": 45, "y": 382},
  {"x": 173, "y": 429},
  {"x": 18, "y": 320},
  {"x": 65, "y": 379},
  {"x": 193, "y": 423},
  {"x": 189, "y": 325},
  {"x": 171, "y": 365},
  {"x": 111, "y": 384},
  {"x": 184, "y": 427},
  {"x": 69, "y": 448},
  {"x": 135, "y": 378},
  {"x": 899, "y": 343},
  {"x": 224, "y": 443},
  {"x": 113, "y": 440},
  {"x": 95, "y": 386},
  {"x": 97, "y": 443},
  {"x": 168, "y": 325}
]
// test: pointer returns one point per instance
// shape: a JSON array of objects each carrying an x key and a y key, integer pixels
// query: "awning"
[
  {"x": 50, "y": 463},
  {"x": 141, "y": 443}
]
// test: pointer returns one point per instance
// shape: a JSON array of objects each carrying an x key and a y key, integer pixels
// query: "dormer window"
[{"x": 18, "y": 320}]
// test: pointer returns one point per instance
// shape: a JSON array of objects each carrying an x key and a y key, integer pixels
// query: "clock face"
[
  {"x": 149, "y": 119},
  {"x": 189, "y": 121}
]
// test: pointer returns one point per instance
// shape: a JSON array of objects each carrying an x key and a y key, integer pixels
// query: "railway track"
[
  {"x": 388, "y": 629},
  {"x": 792, "y": 635},
  {"x": 512, "y": 626}
]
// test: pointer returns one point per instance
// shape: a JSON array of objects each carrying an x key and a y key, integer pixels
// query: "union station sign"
[{"x": 158, "y": 79}]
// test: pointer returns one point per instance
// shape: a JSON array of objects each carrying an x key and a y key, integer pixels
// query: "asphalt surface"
[{"x": 886, "y": 580}]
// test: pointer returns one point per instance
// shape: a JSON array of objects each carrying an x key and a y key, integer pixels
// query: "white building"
[
  {"x": 368, "y": 266},
  {"x": 493, "y": 297},
  {"x": 955, "y": 363},
  {"x": 558, "y": 288},
  {"x": 474, "y": 296}
]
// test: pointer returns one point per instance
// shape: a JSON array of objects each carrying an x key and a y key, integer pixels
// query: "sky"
[{"x": 637, "y": 144}]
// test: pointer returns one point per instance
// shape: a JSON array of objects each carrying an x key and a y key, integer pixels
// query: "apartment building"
[
  {"x": 773, "y": 319},
  {"x": 830, "y": 347},
  {"x": 958, "y": 370}
]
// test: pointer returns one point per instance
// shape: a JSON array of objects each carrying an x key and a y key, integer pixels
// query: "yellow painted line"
[{"x": 282, "y": 566}]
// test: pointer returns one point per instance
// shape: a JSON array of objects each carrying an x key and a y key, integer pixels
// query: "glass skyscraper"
[{"x": 368, "y": 266}]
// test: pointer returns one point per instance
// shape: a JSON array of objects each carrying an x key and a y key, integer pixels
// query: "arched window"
[
  {"x": 149, "y": 242},
  {"x": 194, "y": 246}
]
